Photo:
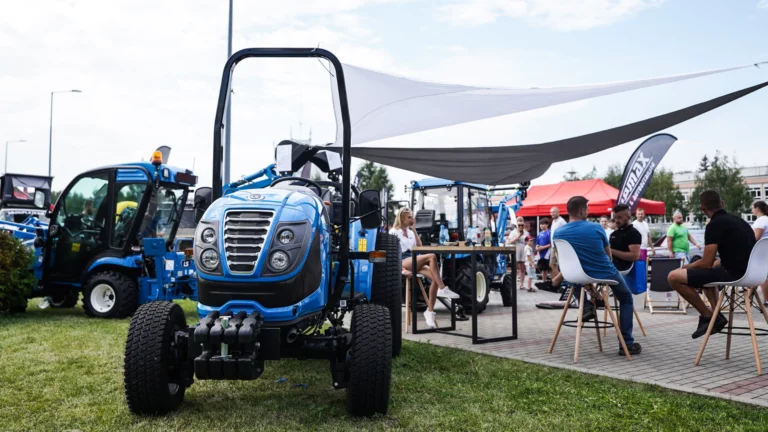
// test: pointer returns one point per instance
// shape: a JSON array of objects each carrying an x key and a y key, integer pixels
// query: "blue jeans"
[{"x": 626, "y": 306}]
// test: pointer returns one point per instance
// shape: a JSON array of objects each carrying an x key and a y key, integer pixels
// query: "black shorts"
[
  {"x": 543, "y": 264},
  {"x": 698, "y": 277}
]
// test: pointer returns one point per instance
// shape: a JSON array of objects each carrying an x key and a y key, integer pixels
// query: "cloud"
[{"x": 561, "y": 15}]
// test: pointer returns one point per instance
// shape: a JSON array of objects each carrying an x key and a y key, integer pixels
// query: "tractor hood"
[{"x": 301, "y": 201}]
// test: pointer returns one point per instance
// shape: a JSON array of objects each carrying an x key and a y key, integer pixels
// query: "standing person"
[
  {"x": 678, "y": 238},
  {"x": 591, "y": 246},
  {"x": 517, "y": 238},
  {"x": 612, "y": 224},
  {"x": 760, "y": 210},
  {"x": 556, "y": 223},
  {"x": 734, "y": 239},
  {"x": 403, "y": 229},
  {"x": 642, "y": 226},
  {"x": 543, "y": 247},
  {"x": 604, "y": 225},
  {"x": 530, "y": 269}
]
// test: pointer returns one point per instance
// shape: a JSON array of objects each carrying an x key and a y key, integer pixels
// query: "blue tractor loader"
[
  {"x": 111, "y": 236},
  {"x": 282, "y": 260}
]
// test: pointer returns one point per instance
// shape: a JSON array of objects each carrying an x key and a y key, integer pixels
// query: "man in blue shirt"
[{"x": 591, "y": 245}]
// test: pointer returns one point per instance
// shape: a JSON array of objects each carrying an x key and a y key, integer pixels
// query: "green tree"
[
  {"x": 704, "y": 164},
  {"x": 16, "y": 278},
  {"x": 572, "y": 175},
  {"x": 663, "y": 188},
  {"x": 613, "y": 175},
  {"x": 373, "y": 176},
  {"x": 724, "y": 176}
]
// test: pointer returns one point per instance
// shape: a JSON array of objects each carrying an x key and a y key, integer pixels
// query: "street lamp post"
[
  {"x": 6, "y": 152},
  {"x": 50, "y": 128}
]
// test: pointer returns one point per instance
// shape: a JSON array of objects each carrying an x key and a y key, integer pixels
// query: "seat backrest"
[
  {"x": 757, "y": 268},
  {"x": 569, "y": 263}
]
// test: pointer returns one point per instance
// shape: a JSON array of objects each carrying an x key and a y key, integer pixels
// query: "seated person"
[
  {"x": 733, "y": 238},
  {"x": 591, "y": 245},
  {"x": 403, "y": 229}
]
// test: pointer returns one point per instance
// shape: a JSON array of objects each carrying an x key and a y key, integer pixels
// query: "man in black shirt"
[
  {"x": 733, "y": 238},
  {"x": 625, "y": 240}
]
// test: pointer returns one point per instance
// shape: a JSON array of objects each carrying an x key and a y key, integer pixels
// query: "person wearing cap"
[{"x": 678, "y": 238}]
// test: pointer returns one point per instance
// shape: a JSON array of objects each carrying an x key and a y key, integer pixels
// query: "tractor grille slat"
[{"x": 245, "y": 232}]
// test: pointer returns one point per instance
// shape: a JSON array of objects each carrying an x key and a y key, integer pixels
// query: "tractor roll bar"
[{"x": 219, "y": 129}]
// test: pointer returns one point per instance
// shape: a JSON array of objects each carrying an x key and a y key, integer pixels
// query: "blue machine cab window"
[
  {"x": 127, "y": 200},
  {"x": 164, "y": 209}
]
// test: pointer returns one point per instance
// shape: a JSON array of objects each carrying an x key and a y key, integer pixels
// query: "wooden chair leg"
[
  {"x": 407, "y": 305},
  {"x": 715, "y": 311},
  {"x": 605, "y": 318},
  {"x": 593, "y": 299},
  {"x": 748, "y": 307},
  {"x": 731, "y": 307},
  {"x": 617, "y": 327},
  {"x": 640, "y": 323},
  {"x": 562, "y": 319},
  {"x": 579, "y": 324}
]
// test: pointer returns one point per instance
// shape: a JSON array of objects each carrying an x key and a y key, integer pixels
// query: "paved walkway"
[{"x": 667, "y": 358}]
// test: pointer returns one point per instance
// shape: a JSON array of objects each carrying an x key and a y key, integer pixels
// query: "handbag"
[{"x": 636, "y": 279}]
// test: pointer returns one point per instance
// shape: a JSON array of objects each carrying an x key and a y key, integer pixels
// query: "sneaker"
[
  {"x": 430, "y": 317},
  {"x": 720, "y": 324},
  {"x": 588, "y": 315},
  {"x": 543, "y": 285},
  {"x": 633, "y": 349},
  {"x": 447, "y": 293}
]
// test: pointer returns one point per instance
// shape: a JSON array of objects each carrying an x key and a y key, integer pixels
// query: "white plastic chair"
[
  {"x": 570, "y": 267},
  {"x": 756, "y": 274}
]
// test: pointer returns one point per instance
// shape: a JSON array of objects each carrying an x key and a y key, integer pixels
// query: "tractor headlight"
[
  {"x": 208, "y": 235},
  {"x": 285, "y": 236},
  {"x": 279, "y": 260},
  {"x": 209, "y": 259}
]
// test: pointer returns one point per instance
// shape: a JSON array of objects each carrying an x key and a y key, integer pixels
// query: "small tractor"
[
  {"x": 435, "y": 203},
  {"x": 281, "y": 260},
  {"x": 111, "y": 235}
]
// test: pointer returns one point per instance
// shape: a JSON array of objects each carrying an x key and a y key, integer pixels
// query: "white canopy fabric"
[{"x": 384, "y": 106}]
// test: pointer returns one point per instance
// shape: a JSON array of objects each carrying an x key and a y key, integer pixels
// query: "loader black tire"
[
  {"x": 386, "y": 289},
  {"x": 370, "y": 361},
  {"x": 152, "y": 373},
  {"x": 507, "y": 290},
  {"x": 123, "y": 288},
  {"x": 463, "y": 286},
  {"x": 65, "y": 301}
]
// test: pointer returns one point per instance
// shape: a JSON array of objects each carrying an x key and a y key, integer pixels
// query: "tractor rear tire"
[
  {"x": 464, "y": 286},
  {"x": 110, "y": 294},
  {"x": 386, "y": 289},
  {"x": 66, "y": 301},
  {"x": 507, "y": 288},
  {"x": 370, "y": 361},
  {"x": 152, "y": 371}
]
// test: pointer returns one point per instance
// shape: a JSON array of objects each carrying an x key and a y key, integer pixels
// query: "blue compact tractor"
[
  {"x": 282, "y": 261},
  {"x": 111, "y": 235}
]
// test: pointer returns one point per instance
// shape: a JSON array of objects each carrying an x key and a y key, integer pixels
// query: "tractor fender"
[{"x": 128, "y": 263}]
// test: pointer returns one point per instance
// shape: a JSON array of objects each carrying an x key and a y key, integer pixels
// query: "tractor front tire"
[
  {"x": 386, "y": 289},
  {"x": 370, "y": 361},
  {"x": 507, "y": 289},
  {"x": 464, "y": 286},
  {"x": 152, "y": 369},
  {"x": 110, "y": 294},
  {"x": 65, "y": 301}
]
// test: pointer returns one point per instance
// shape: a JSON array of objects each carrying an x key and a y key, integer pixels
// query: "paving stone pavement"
[{"x": 667, "y": 359}]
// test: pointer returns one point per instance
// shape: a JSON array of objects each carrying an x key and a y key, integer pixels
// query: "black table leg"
[
  {"x": 414, "y": 288},
  {"x": 472, "y": 261}
]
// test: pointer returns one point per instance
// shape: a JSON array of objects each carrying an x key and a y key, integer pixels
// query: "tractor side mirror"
[
  {"x": 201, "y": 202},
  {"x": 370, "y": 205}
]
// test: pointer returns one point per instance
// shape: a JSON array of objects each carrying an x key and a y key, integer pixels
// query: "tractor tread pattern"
[
  {"x": 386, "y": 289},
  {"x": 146, "y": 360},
  {"x": 126, "y": 291},
  {"x": 370, "y": 369}
]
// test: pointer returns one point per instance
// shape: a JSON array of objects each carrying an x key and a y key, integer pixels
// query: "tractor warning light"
[{"x": 157, "y": 158}]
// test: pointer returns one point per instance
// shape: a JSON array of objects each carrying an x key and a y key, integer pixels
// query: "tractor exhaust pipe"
[{"x": 292, "y": 335}]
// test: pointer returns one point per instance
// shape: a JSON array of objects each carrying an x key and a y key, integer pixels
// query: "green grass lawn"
[{"x": 60, "y": 370}]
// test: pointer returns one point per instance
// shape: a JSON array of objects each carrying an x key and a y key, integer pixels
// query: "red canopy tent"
[{"x": 601, "y": 196}]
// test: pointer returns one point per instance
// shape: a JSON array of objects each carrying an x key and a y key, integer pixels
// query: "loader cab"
[
  {"x": 24, "y": 195},
  {"x": 456, "y": 205},
  {"x": 107, "y": 212}
]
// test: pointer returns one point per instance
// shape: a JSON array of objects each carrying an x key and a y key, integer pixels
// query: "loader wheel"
[
  {"x": 387, "y": 286},
  {"x": 110, "y": 294},
  {"x": 153, "y": 365},
  {"x": 370, "y": 361},
  {"x": 507, "y": 288},
  {"x": 464, "y": 286},
  {"x": 68, "y": 300}
]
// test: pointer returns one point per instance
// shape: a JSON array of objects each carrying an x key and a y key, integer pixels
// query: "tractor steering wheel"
[{"x": 307, "y": 182}]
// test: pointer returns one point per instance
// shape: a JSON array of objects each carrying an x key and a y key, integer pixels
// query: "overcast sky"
[{"x": 149, "y": 72}]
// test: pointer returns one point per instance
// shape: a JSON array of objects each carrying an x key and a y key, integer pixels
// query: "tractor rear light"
[{"x": 377, "y": 256}]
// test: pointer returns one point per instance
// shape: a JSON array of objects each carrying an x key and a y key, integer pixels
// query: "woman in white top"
[
  {"x": 760, "y": 210},
  {"x": 425, "y": 264},
  {"x": 517, "y": 238}
]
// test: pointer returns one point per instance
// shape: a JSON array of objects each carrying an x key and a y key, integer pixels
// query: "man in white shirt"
[
  {"x": 606, "y": 228},
  {"x": 645, "y": 231}
]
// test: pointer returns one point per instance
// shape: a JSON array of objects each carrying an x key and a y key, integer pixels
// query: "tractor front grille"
[{"x": 245, "y": 232}]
